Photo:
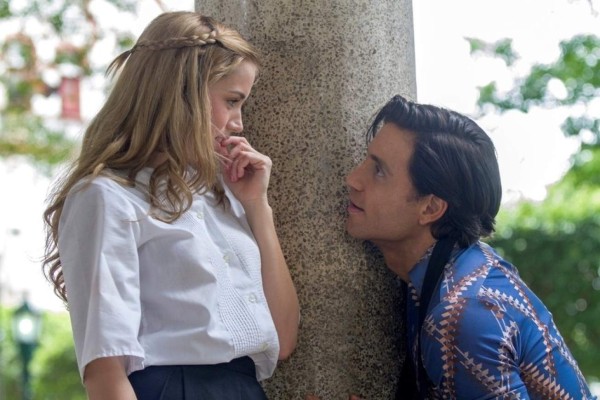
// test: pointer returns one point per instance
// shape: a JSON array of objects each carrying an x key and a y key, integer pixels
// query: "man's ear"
[{"x": 433, "y": 208}]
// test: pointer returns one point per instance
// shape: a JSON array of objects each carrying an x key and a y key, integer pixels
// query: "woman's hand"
[{"x": 246, "y": 171}]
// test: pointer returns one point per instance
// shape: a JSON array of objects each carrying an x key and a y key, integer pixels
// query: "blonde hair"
[{"x": 159, "y": 104}]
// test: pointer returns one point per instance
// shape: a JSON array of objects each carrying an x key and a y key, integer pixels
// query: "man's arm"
[{"x": 469, "y": 350}]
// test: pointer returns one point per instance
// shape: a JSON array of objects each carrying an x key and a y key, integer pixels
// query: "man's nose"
[{"x": 352, "y": 180}]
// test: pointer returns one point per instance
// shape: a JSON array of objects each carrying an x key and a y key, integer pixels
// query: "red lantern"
[{"x": 69, "y": 94}]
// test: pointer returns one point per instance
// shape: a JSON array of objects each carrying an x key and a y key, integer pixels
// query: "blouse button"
[
  {"x": 252, "y": 298},
  {"x": 200, "y": 215},
  {"x": 264, "y": 346},
  {"x": 226, "y": 258}
]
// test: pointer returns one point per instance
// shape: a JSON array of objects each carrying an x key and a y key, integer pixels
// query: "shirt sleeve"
[
  {"x": 470, "y": 353},
  {"x": 98, "y": 251}
]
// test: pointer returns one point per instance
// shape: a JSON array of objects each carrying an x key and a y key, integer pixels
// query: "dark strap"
[
  {"x": 407, "y": 385},
  {"x": 437, "y": 262}
]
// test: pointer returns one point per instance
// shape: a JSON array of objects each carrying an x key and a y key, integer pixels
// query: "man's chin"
[{"x": 354, "y": 231}]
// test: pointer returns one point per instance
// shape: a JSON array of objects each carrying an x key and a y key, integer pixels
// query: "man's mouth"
[{"x": 353, "y": 208}]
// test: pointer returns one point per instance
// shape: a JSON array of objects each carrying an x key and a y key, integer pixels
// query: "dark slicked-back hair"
[{"x": 453, "y": 159}]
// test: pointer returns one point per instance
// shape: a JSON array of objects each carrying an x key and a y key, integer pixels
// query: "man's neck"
[{"x": 401, "y": 258}]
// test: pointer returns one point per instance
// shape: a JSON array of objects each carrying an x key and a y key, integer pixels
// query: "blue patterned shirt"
[{"x": 489, "y": 336}]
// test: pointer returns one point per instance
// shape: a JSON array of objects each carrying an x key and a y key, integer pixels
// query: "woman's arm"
[
  {"x": 98, "y": 251},
  {"x": 247, "y": 174},
  {"x": 277, "y": 282},
  {"x": 105, "y": 378}
]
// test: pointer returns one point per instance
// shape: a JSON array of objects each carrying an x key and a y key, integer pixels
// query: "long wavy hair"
[{"x": 159, "y": 104}]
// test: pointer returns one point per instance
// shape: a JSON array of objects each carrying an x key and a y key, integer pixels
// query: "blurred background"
[{"x": 528, "y": 71}]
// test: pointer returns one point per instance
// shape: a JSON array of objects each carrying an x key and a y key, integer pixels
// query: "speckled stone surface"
[{"x": 328, "y": 66}]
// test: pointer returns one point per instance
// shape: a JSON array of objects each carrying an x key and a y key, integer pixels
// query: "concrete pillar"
[{"x": 328, "y": 66}]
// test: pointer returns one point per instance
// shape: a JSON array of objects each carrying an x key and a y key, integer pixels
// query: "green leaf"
[
  {"x": 476, "y": 45},
  {"x": 26, "y": 135},
  {"x": 577, "y": 68},
  {"x": 501, "y": 49},
  {"x": 5, "y": 9}
]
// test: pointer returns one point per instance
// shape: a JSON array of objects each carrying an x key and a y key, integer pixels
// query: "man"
[{"x": 426, "y": 193}]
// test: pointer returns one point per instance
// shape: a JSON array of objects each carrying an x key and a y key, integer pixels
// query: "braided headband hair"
[
  {"x": 155, "y": 45},
  {"x": 176, "y": 43}
]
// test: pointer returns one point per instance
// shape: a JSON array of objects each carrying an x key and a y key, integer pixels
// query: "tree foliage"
[
  {"x": 33, "y": 139},
  {"x": 41, "y": 41},
  {"x": 68, "y": 32},
  {"x": 572, "y": 79},
  {"x": 555, "y": 246},
  {"x": 54, "y": 371},
  {"x": 555, "y": 243}
]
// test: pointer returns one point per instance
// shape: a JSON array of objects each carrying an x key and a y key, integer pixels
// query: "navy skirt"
[{"x": 235, "y": 380}]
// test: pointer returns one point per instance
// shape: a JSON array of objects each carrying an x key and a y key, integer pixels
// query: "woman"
[{"x": 160, "y": 237}]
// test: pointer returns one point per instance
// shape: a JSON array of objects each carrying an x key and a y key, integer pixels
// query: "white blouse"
[{"x": 187, "y": 292}]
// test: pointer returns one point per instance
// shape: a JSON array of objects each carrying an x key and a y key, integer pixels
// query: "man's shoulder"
[
  {"x": 478, "y": 275},
  {"x": 467, "y": 270},
  {"x": 480, "y": 278},
  {"x": 480, "y": 263}
]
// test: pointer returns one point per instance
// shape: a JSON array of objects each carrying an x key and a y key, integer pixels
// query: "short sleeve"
[{"x": 98, "y": 251}]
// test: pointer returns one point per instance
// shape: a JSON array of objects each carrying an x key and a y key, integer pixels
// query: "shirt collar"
[{"x": 417, "y": 273}]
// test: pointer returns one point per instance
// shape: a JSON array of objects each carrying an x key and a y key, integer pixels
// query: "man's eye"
[{"x": 378, "y": 170}]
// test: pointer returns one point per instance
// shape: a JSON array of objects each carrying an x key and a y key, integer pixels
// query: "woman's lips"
[
  {"x": 222, "y": 150},
  {"x": 220, "y": 138}
]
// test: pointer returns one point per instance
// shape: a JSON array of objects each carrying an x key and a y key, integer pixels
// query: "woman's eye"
[{"x": 378, "y": 170}]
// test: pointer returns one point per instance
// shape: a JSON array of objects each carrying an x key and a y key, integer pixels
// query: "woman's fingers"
[
  {"x": 233, "y": 142},
  {"x": 238, "y": 167},
  {"x": 241, "y": 157},
  {"x": 248, "y": 162}
]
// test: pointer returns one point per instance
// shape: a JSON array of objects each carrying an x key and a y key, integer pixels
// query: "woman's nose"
[{"x": 235, "y": 124}]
